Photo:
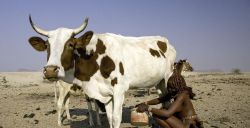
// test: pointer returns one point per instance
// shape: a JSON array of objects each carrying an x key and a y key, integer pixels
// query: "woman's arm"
[
  {"x": 153, "y": 102},
  {"x": 159, "y": 100},
  {"x": 174, "y": 107}
]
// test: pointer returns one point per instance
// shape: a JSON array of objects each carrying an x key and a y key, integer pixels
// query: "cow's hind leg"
[
  {"x": 97, "y": 114},
  {"x": 109, "y": 112},
  {"x": 91, "y": 122},
  {"x": 117, "y": 113}
]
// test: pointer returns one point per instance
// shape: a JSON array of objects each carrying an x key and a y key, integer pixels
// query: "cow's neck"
[{"x": 69, "y": 74}]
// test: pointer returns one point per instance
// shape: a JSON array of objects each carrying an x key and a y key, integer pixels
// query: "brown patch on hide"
[
  {"x": 85, "y": 66},
  {"x": 114, "y": 81},
  {"x": 100, "y": 47},
  {"x": 67, "y": 57},
  {"x": 162, "y": 54},
  {"x": 162, "y": 46},
  {"x": 107, "y": 66},
  {"x": 154, "y": 52},
  {"x": 121, "y": 68}
]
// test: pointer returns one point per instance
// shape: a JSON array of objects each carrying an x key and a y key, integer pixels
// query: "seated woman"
[{"x": 180, "y": 113}]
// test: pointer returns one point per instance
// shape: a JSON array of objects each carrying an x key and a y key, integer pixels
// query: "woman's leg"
[
  {"x": 161, "y": 122},
  {"x": 174, "y": 122}
]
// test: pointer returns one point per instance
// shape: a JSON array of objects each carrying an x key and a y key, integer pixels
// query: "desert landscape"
[{"x": 27, "y": 101}]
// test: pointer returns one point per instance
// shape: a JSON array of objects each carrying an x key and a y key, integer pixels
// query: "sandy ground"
[{"x": 27, "y": 101}]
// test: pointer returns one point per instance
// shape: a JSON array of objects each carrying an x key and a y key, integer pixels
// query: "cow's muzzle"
[{"x": 51, "y": 72}]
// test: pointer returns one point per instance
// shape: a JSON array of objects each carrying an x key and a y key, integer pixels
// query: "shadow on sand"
[{"x": 78, "y": 123}]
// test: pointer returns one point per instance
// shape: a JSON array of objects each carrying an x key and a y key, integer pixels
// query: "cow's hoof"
[
  {"x": 92, "y": 125},
  {"x": 67, "y": 121}
]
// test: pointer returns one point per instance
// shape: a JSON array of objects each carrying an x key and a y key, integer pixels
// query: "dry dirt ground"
[{"x": 27, "y": 101}]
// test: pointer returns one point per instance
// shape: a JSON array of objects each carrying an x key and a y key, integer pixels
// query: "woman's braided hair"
[{"x": 177, "y": 84}]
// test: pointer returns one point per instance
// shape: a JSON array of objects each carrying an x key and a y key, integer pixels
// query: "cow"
[
  {"x": 116, "y": 63},
  {"x": 107, "y": 65},
  {"x": 54, "y": 46}
]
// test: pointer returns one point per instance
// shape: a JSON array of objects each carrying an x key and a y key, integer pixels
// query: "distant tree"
[{"x": 236, "y": 71}]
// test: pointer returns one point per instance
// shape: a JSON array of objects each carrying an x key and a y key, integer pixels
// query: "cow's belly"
[
  {"x": 147, "y": 75},
  {"x": 98, "y": 90},
  {"x": 145, "y": 83}
]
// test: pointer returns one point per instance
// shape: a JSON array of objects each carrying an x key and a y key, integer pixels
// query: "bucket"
[{"x": 139, "y": 119}]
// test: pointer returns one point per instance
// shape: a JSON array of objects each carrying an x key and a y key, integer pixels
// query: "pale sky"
[{"x": 211, "y": 34}]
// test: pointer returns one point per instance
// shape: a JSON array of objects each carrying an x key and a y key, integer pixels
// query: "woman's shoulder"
[{"x": 183, "y": 95}]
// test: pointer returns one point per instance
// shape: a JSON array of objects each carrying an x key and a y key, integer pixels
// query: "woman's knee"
[{"x": 175, "y": 122}]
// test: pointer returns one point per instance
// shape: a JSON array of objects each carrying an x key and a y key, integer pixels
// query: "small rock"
[
  {"x": 38, "y": 108},
  {"x": 29, "y": 115},
  {"x": 36, "y": 121},
  {"x": 219, "y": 89},
  {"x": 50, "y": 112}
]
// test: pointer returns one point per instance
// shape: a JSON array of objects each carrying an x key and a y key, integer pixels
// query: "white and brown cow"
[
  {"x": 60, "y": 66},
  {"x": 107, "y": 65}
]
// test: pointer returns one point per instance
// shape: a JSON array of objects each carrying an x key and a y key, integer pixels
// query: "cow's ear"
[
  {"x": 84, "y": 39},
  {"x": 38, "y": 43}
]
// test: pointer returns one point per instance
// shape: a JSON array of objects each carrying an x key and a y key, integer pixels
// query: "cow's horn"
[
  {"x": 37, "y": 29},
  {"x": 82, "y": 27}
]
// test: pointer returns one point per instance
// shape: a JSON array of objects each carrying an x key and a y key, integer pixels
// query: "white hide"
[{"x": 141, "y": 70}]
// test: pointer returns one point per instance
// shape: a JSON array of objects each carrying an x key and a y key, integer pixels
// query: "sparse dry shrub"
[{"x": 236, "y": 71}]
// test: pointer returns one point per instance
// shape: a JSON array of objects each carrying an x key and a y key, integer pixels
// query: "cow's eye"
[{"x": 71, "y": 45}]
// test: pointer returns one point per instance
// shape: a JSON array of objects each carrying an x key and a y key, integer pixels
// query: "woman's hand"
[{"x": 142, "y": 107}]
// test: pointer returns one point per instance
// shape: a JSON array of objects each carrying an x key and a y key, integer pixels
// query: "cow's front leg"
[
  {"x": 109, "y": 112},
  {"x": 117, "y": 113}
]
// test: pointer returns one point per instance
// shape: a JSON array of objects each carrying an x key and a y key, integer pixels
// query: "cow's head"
[{"x": 60, "y": 45}]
